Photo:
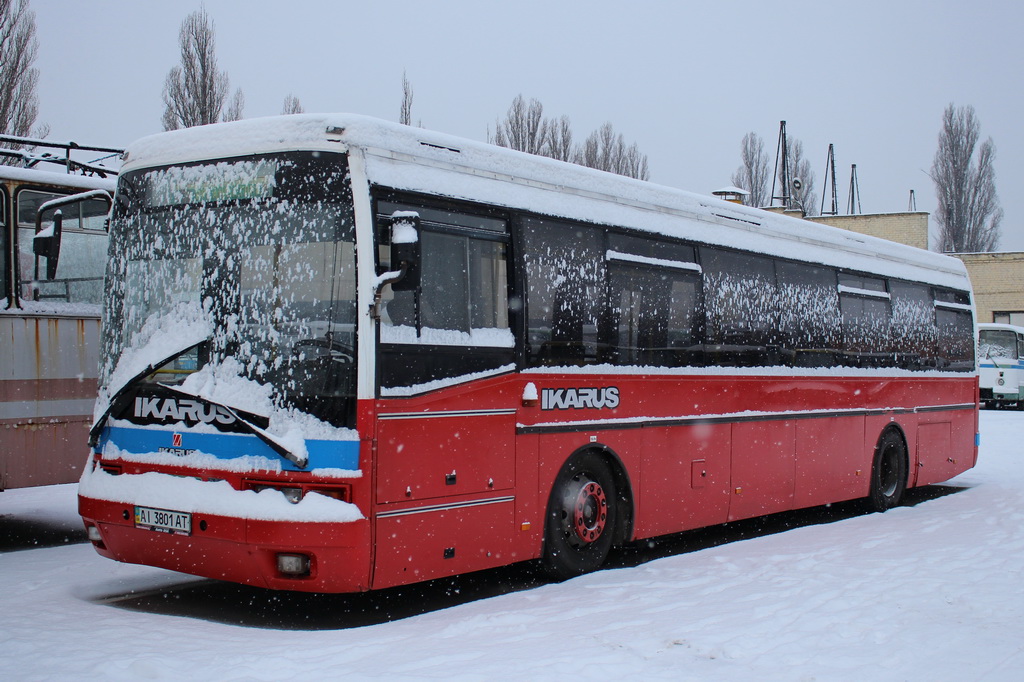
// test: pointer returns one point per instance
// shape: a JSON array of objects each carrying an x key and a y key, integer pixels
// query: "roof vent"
[
  {"x": 735, "y": 195},
  {"x": 440, "y": 146}
]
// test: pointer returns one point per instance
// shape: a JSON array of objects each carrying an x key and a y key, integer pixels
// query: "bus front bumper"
[{"x": 281, "y": 555}]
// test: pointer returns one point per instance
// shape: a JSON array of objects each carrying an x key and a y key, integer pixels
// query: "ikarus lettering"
[{"x": 580, "y": 398}]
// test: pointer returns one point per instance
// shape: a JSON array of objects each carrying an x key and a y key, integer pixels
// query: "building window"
[{"x": 1009, "y": 317}]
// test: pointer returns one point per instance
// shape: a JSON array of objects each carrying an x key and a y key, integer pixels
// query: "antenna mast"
[
  {"x": 853, "y": 206},
  {"x": 830, "y": 172},
  {"x": 781, "y": 154}
]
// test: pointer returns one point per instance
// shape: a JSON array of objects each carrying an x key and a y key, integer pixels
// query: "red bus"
[
  {"x": 341, "y": 354},
  {"x": 49, "y": 307}
]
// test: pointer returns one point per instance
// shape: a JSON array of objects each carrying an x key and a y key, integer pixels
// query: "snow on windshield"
[
  {"x": 997, "y": 344},
  {"x": 253, "y": 259},
  {"x": 161, "y": 337},
  {"x": 226, "y": 383}
]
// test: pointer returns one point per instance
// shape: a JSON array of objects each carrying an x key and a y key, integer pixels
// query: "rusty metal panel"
[{"x": 48, "y": 377}]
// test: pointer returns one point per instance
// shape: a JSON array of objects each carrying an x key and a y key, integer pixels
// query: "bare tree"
[
  {"x": 292, "y": 105},
  {"x": 968, "y": 210},
  {"x": 19, "y": 103},
  {"x": 754, "y": 173},
  {"x": 235, "y": 109},
  {"x": 606, "y": 150},
  {"x": 559, "y": 144},
  {"x": 405, "y": 115},
  {"x": 523, "y": 128},
  {"x": 195, "y": 92},
  {"x": 589, "y": 152},
  {"x": 634, "y": 164}
]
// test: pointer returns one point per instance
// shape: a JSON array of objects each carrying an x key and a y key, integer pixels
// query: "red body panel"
[
  {"x": 239, "y": 550},
  {"x": 458, "y": 479}
]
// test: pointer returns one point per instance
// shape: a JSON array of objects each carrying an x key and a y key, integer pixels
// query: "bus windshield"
[
  {"x": 238, "y": 266},
  {"x": 997, "y": 343}
]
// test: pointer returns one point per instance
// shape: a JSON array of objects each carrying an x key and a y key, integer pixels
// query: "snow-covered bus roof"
[
  {"x": 44, "y": 177},
  {"x": 418, "y": 160}
]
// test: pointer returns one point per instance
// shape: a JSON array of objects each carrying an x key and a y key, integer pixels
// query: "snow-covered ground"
[{"x": 931, "y": 591}]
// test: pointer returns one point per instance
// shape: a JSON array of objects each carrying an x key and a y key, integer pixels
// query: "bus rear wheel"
[
  {"x": 581, "y": 518},
  {"x": 888, "y": 472}
]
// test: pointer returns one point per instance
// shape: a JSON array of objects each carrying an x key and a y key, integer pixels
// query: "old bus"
[
  {"x": 341, "y": 354},
  {"x": 1001, "y": 365},
  {"x": 49, "y": 308}
]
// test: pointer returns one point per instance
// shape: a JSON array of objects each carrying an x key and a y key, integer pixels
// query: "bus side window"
[
  {"x": 655, "y": 315},
  {"x": 809, "y": 314},
  {"x": 956, "y": 330},
  {"x": 565, "y": 273},
  {"x": 742, "y": 309},
  {"x": 457, "y": 321},
  {"x": 464, "y": 284},
  {"x": 865, "y": 306},
  {"x": 913, "y": 330}
]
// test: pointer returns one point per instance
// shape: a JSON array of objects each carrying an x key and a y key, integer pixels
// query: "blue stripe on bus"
[
  {"x": 988, "y": 365},
  {"x": 323, "y": 454}
]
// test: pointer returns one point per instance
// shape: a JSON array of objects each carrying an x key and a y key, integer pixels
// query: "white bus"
[
  {"x": 1001, "y": 365},
  {"x": 49, "y": 308}
]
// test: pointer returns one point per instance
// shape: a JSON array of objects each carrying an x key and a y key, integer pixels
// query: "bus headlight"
[
  {"x": 293, "y": 495},
  {"x": 294, "y": 491}
]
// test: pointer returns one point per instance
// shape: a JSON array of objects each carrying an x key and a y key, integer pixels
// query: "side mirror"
[
  {"x": 405, "y": 250},
  {"x": 46, "y": 244}
]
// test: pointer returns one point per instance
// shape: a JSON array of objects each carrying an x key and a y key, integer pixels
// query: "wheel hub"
[{"x": 590, "y": 512}]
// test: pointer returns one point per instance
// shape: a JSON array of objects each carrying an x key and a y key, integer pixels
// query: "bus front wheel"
[
  {"x": 581, "y": 518},
  {"x": 888, "y": 472}
]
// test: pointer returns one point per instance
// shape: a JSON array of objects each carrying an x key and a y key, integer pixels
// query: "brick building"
[
  {"x": 998, "y": 281},
  {"x": 905, "y": 228}
]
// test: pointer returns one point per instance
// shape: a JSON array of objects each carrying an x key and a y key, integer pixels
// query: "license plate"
[{"x": 163, "y": 520}]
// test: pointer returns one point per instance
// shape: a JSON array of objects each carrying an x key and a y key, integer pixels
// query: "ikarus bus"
[{"x": 341, "y": 354}]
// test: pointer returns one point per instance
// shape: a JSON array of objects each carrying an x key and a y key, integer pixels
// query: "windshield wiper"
[
  {"x": 117, "y": 401},
  {"x": 988, "y": 354},
  {"x": 275, "y": 444}
]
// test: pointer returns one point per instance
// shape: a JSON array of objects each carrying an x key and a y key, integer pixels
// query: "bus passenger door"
[
  {"x": 445, "y": 489},
  {"x": 445, "y": 435}
]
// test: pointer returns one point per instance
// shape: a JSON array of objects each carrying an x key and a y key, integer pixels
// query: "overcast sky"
[{"x": 684, "y": 80}]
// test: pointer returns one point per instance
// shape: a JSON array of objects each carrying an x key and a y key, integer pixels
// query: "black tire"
[
  {"x": 888, "y": 472},
  {"x": 581, "y": 518}
]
